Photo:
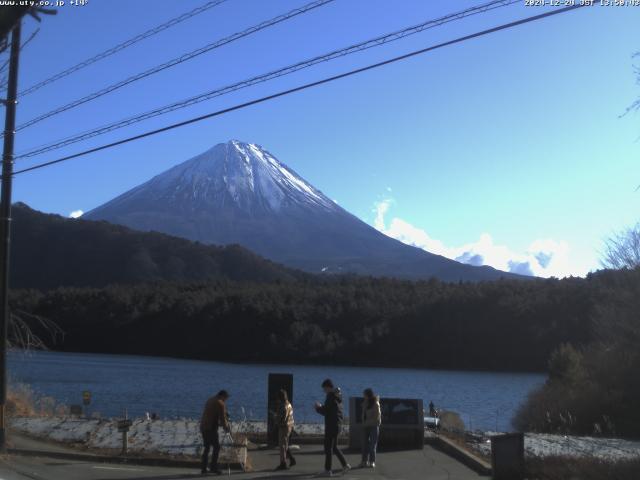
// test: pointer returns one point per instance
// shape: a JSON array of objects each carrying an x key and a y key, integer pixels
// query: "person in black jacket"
[
  {"x": 332, "y": 412},
  {"x": 214, "y": 416}
]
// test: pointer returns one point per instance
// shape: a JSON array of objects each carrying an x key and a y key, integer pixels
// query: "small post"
[
  {"x": 86, "y": 401},
  {"x": 125, "y": 435},
  {"x": 125, "y": 442},
  {"x": 123, "y": 427}
]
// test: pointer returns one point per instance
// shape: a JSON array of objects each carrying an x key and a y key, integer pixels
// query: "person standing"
[
  {"x": 285, "y": 427},
  {"x": 333, "y": 416},
  {"x": 371, "y": 420},
  {"x": 214, "y": 416},
  {"x": 432, "y": 410}
]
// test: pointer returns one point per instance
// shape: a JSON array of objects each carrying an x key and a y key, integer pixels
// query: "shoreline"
[
  {"x": 181, "y": 438},
  {"x": 484, "y": 400},
  {"x": 310, "y": 363}
]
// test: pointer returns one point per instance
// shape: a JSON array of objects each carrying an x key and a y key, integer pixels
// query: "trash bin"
[{"x": 507, "y": 456}]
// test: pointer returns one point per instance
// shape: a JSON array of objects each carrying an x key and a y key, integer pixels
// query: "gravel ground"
[
  {"x": 166, "y": 437},
  {"x": 545, "y": 445}
]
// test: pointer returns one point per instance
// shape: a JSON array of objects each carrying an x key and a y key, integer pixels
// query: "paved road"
[
  {"x": 425, "y": 464},
  {"x": 34, "y": 468}
]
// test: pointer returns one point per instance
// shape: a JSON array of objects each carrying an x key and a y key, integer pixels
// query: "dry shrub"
[
  {"x": 451, "y": 422},
  {"x": 20, "y": 401},
  {"x": 49, "y": 407},
  {"x": 23, "y": 402}
]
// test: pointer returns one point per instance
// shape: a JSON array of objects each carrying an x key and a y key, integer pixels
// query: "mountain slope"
[
  {"x": 240, "y": 193},
  {"x": 51, "y": 251}
]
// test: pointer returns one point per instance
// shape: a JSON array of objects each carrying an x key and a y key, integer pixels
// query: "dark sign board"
[
  {"x": 75, "y": 410},
  {"x": 124, "y": 425},
  {"x": 395, "y": 411},
  {"x": 277, "y": 382},
  {"x": 507, "y": 456}
]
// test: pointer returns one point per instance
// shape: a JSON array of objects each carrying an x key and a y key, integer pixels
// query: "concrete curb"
[
  {"x": 449, "y": 447},
  {"x": 92, "y": 458}
]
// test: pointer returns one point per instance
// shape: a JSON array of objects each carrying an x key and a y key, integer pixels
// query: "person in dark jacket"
[
  {"x": 332, "y": 412},
  {"x": 214, "y": 416}
]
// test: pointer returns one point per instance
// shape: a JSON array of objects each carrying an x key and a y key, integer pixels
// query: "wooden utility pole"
[{"x": 5, "y": 219}]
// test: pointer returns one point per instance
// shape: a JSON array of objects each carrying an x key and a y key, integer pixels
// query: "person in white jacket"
[{"x": 371, "y": 420}]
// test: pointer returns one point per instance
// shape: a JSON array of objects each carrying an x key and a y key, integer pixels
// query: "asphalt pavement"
[{"x": 406, "y": 465}]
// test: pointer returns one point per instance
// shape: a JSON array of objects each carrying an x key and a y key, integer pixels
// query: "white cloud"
[
  {"x": 543, "y": 257},
  {"x": 76, "y": 214},
  {"x": 380, "y": 209}
]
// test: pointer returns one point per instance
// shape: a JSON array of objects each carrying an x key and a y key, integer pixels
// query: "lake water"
[{"x": 179, "y": 388}]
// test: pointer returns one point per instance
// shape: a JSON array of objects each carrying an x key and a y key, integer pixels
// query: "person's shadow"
[{"x": 262, "y": 475}]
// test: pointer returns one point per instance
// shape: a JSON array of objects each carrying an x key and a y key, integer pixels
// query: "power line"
[
  {"x": 122, "y": 46},
  {"x": 375, "y": 42},
  {"x": 304, "y": 87},
  {"x": 178, "y": 60}
]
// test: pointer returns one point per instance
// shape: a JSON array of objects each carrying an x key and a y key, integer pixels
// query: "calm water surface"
[{"x": 179, "y": 388}]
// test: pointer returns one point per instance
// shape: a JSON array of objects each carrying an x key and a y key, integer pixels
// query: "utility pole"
[{"x": 5, "y": 219}]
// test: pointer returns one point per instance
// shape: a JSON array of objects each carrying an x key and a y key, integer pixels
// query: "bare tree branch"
[
  {"x": 622, "y": 250},
  {"x": 635, "y": 106},
  {"x": 22, "y": 328}
]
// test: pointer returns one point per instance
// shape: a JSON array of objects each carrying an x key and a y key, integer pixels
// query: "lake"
[{"x": 179, "y": 388}]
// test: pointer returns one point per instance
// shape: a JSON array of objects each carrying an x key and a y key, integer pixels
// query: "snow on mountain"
[
  {"x": 240, "y": 193},
  {"x": 244, "y": 174}
]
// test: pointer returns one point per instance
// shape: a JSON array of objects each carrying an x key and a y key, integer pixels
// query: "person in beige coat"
[
  {"x": 371, "y": 420},
  {"x": 285, "y": 427}
]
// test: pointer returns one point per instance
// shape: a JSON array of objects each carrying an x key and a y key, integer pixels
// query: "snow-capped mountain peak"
[
  {"x": 238, "y": 192},
  {"x": 243, "y": 173}
]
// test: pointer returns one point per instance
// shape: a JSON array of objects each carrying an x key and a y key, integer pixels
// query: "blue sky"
[{"x": 508, "y": 150}]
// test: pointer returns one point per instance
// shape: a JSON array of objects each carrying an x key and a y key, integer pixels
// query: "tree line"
[
  {"x": 593, "y": 386},
  {"x": 147, "y": 293},
  {"x": 501, "y": 325}
]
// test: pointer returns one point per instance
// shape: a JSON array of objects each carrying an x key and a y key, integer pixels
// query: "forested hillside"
[
  {"x": 50, "y": 251},
  {"x": 502, "y": 325},
  {"x": 149, "y": 293}
]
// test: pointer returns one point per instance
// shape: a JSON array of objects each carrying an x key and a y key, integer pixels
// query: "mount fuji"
[{"x": 239, "y": 193}]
